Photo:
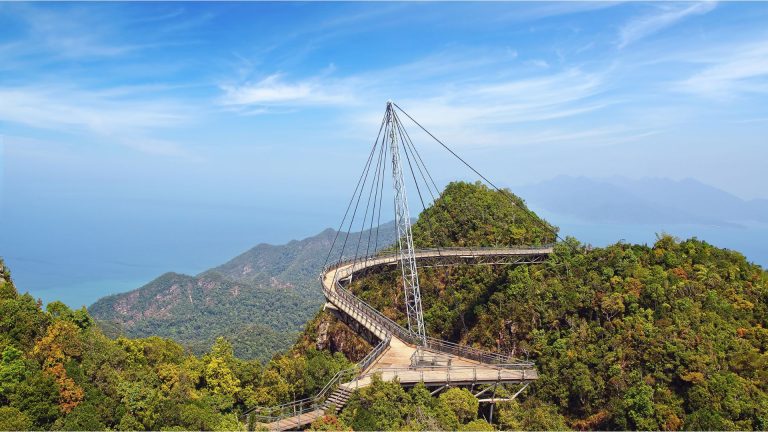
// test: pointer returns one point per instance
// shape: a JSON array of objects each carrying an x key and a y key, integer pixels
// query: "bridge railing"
[
  {"x": 373, "y": 318},
  {"x": 387, "y": 325},
  {"x": 274, "y": 413},
  {"x": 449, "y": 251},
  {"x": 482, "y": 356},
  {"x": 422, "y": 358},
  {"x": 445, "y": 375},
  {"x": 391, "y": 327}
]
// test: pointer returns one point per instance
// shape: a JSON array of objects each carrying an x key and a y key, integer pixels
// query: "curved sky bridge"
[
  {"x": 436, "y": 362},
  {"x": 401, "y": 353}
]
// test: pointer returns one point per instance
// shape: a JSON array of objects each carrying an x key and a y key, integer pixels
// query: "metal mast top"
[{"x": 404, "y": 234}]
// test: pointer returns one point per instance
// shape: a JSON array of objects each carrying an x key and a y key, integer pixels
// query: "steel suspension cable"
[
  {"x": 418, "y": 155},
  {"x": 357, "y": 204},
  {"x": 341, "y": 225},
  {"x": 408, "y": 158},
  {"x": 435, "y": 201},
  {"x": 376, "y": 201},
  {"x": 367, "y": 207},
  {"x": 419, "y": 158},
  {"x": 421, "y": 173},
  {"x": 381, "y": 200},
  {"x": 490, "y": 183},
  {"x": 410, "y": 168}
]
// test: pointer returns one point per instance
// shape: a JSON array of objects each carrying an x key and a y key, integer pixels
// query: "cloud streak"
[
  {"x": 111, "y": 115},
  {"x": 497, "y": 92},
  {"x": 666, "y": 16},
  {"x": 743, "y": 70},
  {"x": 274, "y": 90}
]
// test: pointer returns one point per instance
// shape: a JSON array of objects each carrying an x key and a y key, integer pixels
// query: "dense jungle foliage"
[
  {"x": 195, "y": 310},
  {"x": 670, "y": 336},
  {"x": 59, "y": 372}
]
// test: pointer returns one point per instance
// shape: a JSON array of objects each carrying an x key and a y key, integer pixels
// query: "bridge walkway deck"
[{"x": 467, "y": 366}]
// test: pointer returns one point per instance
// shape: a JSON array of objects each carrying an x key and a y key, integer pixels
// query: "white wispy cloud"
[
  {"x": 106, "y": 114},
  {"x": 329, "y": 88},
  {"x": 473, "y": 97},
  {"x": 742, "y": 69},
  {"x": 665, "y": 16},
  {"x": 77, "y": 34},
  {"x": 496, "y": 112},
  {"x": 512, "y": 100},
  {"x": 274, "y": 90},
  {"x": 534, "y": 11}
]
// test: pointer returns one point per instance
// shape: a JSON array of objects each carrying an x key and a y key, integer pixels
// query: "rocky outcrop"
[{"x": 326, "y": 332}]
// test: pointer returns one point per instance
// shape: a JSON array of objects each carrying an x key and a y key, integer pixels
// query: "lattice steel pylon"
[{"x": 404, "y": 234}]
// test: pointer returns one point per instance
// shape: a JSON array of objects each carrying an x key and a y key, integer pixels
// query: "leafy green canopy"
[
  {"x": 59, "y": 372},
  {"x": 194, "y": 311},
  {"x": 471, "y": 214},
  {"x": 387, "y": 406},
  {"x": 625, "y": 337},
  {"x": 670, "y": 336}
]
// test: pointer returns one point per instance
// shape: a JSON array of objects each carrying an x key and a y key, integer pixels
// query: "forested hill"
[
  {"x": 58, "y": 371},
  {"x": 260, "y": 300},
  {"x": 669, "y": 336}
]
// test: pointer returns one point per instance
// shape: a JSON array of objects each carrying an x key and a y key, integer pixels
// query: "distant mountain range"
[
  {"x": 643, "y": 201},
  {"x": 260, "y": 299}
]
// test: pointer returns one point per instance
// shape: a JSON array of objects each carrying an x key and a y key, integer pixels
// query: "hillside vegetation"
[
  {"x": 670, "y": 336},
  {"x": 260, "y": 300},
  {"x": 58, "y": 371}
]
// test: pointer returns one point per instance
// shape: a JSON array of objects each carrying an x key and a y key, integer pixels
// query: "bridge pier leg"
[
  {"x": 483, "y": 391},
  {"x": 439, "y": 389},
  {"x": 493, "y": 404}
]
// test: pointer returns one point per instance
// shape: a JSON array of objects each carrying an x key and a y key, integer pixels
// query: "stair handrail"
[
  {"x": 305, "y": 405},
  {"x": 389, "y": 328}
]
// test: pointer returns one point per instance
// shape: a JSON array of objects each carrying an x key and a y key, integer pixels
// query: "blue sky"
[{"x": 145, "y": 137}]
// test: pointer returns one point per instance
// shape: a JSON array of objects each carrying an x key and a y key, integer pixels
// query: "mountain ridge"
[{"x": 271, "y": 288}]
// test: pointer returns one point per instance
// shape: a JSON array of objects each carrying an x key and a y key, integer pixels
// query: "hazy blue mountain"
[
  {"x": 643, "y": 201},
  {"x": 260, "y": 299}
]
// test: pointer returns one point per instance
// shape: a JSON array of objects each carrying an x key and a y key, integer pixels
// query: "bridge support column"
[
  {"x": 404, "y": 234},
  {"x": 492, "y": 404}
]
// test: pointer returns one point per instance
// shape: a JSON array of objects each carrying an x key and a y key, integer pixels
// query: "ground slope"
[{"x": 260, "y": 299}]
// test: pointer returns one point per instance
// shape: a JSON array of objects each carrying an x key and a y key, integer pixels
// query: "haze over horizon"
[{"x": 142, "y": 138}]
